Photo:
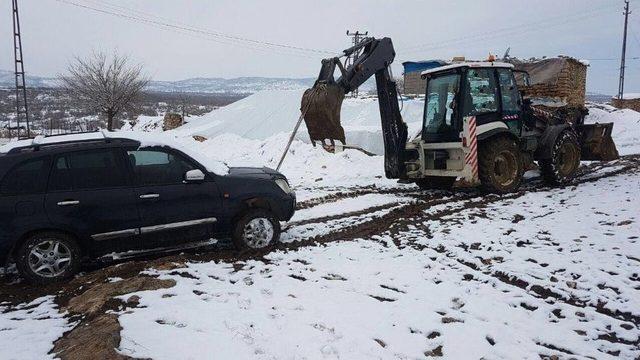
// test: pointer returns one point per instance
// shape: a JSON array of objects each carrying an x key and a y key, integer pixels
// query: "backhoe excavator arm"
[{"x": 323, "y": 102}]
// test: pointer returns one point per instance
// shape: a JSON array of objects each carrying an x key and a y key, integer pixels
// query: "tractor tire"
[
  {"x": 500, "y": 166},
  {"x": 436, "y": 182},
  {"x": 563, "y": 165}
]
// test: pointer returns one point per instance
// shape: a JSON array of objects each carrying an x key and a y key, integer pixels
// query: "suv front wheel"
[
  {"x": 258, "y": 229},
  {"x": 48, "y": 257}
]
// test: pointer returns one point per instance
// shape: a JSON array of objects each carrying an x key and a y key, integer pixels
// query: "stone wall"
[
  {"x": 633, "y": 104},
  {"x": 562, "y": 79},
  {"x": 413, "y": 84},
  {"x": 171, "y": 121}
]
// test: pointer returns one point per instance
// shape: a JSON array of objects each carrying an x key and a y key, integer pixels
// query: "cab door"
[
  {"x": 172, "y": 210},
  {"x": 510, "y": 100},
  {"x": 481, "y": 93}
]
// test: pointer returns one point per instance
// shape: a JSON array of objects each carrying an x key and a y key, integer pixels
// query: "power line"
[
  {"x": 519, "y": 29},
  {"x": 184, "y": 28},
  {"x": 612, "y": 59}
]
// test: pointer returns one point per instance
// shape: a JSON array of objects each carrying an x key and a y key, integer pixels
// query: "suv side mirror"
[{"x": 194, "y": 175}]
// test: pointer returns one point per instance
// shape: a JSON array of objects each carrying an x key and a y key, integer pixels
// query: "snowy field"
[{"x": 367, "y": 268}]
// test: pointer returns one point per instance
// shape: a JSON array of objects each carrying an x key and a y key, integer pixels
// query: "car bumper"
[{"x": 286, "y": 207}]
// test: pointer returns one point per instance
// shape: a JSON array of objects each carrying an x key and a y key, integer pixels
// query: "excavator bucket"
[
  {"x": 597, "y": 143},
  {"x": 321, "y": 107}
]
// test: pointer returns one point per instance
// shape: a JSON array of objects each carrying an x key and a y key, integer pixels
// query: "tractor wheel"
[
  {"x": 436, "y": 182},
  {"x": 500, "y": 166},
  {"x": 561, "y": 168}
]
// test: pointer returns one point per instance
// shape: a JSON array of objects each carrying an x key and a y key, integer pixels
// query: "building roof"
[
  {"x": 469, "y": 64},
  {"x": 414, "y": 66}
]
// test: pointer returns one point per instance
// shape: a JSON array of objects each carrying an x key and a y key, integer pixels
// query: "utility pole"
[
  {"x": 356, "y": 38},
  {"x": 21, "y": 88},
  {"x": 624, "y": 50}
]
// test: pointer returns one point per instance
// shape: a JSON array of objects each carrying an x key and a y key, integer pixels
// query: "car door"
[
  {"x": 172, "y": 210},
  {"x": 22, "y": 194},
  {"x": 89, "y": 194}
]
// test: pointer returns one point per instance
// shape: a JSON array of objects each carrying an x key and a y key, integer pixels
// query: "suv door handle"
[
  {"x": 68, "y": 202},
  {"x": 149, "y": 196}
]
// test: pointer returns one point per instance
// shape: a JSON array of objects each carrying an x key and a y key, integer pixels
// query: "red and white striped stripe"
[{"x": 472, "y": 156}]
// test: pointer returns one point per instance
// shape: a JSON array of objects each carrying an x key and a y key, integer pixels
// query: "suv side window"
[
  {"x": 509, "y": 91},
  {"x": 158, "y": 167},
  {"x": 92, "y": 169},
  {"x": 28, "y": 177}
]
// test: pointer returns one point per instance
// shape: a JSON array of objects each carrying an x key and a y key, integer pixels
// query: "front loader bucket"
[
  {"x": 596, "y": 142},
  {"x": 321, "y": 107}
]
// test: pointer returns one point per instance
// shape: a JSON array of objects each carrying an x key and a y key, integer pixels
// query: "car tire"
[
  {"x": 436, "y": 182},
  {"x": 564, "y": 162},
  {"x": 48, "y": 257},
  {"x": 256, "y": 230},
  {"x": 500, "y": 166}
]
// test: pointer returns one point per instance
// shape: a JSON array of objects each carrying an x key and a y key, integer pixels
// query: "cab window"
[
  {"x": 481, "y": 95},
  {"x": 440, "y": 104},
  {"x": 509, "y": 90}
]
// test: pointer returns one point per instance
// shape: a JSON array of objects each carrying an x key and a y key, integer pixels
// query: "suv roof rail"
[{"x": 37, "y": 142}]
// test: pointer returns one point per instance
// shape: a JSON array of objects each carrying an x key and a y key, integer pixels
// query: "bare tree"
[{"x": 109, "y": 85}]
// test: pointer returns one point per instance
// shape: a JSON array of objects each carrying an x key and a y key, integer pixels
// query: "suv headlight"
[{"x": 284, "y": 185}]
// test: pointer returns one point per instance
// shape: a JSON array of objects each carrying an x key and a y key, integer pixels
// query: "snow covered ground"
[
  {"x": 369, "y": 268},
  {"x": 504, "y": 277}
]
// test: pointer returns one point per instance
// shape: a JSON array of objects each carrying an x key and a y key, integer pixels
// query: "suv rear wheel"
[
  {"x": 48, "y": 257},
  {"x": 258, "y": 229}
]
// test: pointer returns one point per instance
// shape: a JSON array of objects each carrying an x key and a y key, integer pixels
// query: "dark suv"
[{"x": 63, "y": 201}]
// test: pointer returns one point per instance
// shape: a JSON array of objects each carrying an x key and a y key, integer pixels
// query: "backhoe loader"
[{"x": 477, "y": 127}]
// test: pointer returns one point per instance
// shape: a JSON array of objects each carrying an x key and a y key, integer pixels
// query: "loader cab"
[{"x": 487, "y": 91}]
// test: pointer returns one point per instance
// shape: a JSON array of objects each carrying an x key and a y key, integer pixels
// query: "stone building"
[
  {"x": 413, "y": 83},
  {"x": 561, "y": 80},
  {"x": 628, "y": 101}
]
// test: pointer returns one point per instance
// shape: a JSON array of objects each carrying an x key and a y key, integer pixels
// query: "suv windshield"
[{"x": 440, "y": 104}]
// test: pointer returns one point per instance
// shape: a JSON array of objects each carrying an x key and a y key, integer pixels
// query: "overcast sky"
[{"x": 55, "y": 30}]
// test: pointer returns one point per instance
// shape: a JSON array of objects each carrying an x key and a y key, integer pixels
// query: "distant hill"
[
  {"x": 598, "y": 98},
  {"x": 241, "y": 85},
  {"x": 8, "y": 80}
]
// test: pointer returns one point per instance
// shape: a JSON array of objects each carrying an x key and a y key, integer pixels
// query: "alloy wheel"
[
  {"x": 49, "y": 258},
  {"x": 258, "y": 233}
]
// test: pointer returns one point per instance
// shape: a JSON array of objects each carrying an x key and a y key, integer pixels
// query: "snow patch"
[{"x": 29, "y": 330}]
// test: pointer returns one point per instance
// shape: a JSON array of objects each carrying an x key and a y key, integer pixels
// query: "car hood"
[{"x": 254, "y": 172}]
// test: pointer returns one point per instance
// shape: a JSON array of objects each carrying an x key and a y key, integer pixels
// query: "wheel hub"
[
  {"x": 505, "y": 168},
  {"x": 49, "y": 258},
  {"x": 258, "y": 233},
  {"x": 568, "y": 157}
]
